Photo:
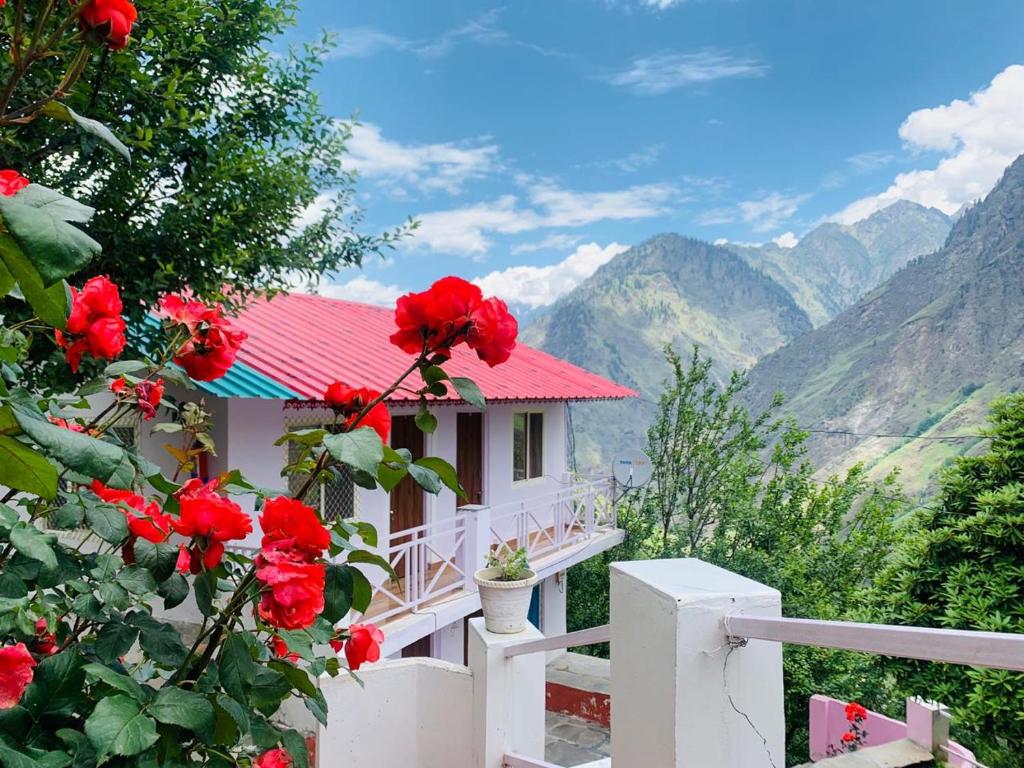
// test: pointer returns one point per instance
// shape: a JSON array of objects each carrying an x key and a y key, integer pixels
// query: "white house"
[{"x": 510, "y": 458}]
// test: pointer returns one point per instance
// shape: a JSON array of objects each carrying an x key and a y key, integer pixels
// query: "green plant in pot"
[{"x": 505, "y": 586}]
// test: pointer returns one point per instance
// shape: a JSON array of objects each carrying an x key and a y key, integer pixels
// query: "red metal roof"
[{"x": 305, "y": 342}]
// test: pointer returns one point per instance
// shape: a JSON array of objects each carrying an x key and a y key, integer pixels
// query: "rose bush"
[{"x": 91, "y": 671}]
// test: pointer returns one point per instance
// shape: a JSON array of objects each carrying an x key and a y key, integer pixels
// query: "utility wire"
[{"x": 892, "y": 434}]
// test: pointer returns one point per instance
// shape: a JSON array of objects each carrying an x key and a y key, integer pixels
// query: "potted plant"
[{"x": 505, "y": 586}]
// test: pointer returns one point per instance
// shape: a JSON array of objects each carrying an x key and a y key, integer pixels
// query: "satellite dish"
[{"x": 632, "y": 469}]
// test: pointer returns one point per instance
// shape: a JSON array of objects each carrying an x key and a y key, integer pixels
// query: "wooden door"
[
  {"x": 417, "y": 648},
  {"x": 407, "y": 496},
  {"x": 469, "y": 456}
]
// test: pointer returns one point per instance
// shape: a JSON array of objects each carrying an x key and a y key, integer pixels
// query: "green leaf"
[
  {"x": 122, "y": 367},
  {"x": 433, "y": 374},
  {"x": 367, "y": 532},
  {"x": 66, "y": 517},
  {"x": 118, "y": 726},
  {"x": 174, "y": 590},
  {"x": 6, "y": 280},
  {"x": 361, "y": 448},
  {"x": 236, "y": 710},
  {"x": 445, "y": 471},
  {"x": 54, "y": 247},
  {"x": 317, "y": 705},
  {"x": 469, "y": 391},
  {"x": 95, "y": 128},
  {"x": 268, "y": 690},
  {"x": 107, "y": 522},
  {"x": 160, "y": 641},
  {"x": 237, "y": 669},
  {"x": 205, "y": 589},
  {"x": 114, "y": 640},
  {"x": 296, "y": 677},
  {"x": 295, "y": 743},
  {"x": 25, "y": 469},
  {"x": 115, "y": 680},
  {"x": 51, "y": 304},
  {"x": 12, "y": 758},
  {"x": 53, "y": 202},
  {"x": 56, "y": 685},
  {"x": 187, "y": 709},
  {"x": 136, "y": 580},
  {"x": 114, "y": 596},
  {"x": 371, "y": 558},
  {"x": 86, "y": 455},
  {"x": 362, "y": 591},
  {"x": 157, "y": 558},
  {"x": 338, "y": 590},
  {"x": 426, "y": 421},
  {"x": 313, "y": 436},
  {"x": 33, "y": 543},
  {"x": 425, "y": 477}
]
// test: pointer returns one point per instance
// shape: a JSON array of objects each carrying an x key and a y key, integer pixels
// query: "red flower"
[
  {"x": 45, "y": 643},
  {"x": 213, "y": 343},
  {"x": 281, "y": 650},
  {"x": 848, "y": 737},
  {"x": 109, "y": 21},
  {"x": 349, "y": 402},
  {"x": 274, "y": 758},
  {"x": 363, "y": 645},
  {"x": 150, "y": 524},
  {"x": 184, "y": 562},
  {"x": 71, "y": 426},
  {"x": 95, "y": 325},
  {"x": 147, "y": 394},
  {"x": 294, "y": 591},
  {"x": 11, "y": 182},
  {"x": 209, "y": 520},
  {"x": 450, "y": 312},
  {"x": 855, "y": 712},
  {"x": 16, "y": 665},
  {"x": 288, "y": 524}
]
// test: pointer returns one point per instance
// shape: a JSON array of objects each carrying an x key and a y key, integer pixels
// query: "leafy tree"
[
  {"x": 963, "y": 568},
  {"x": 736, "y": 490},
  {"x": 230, "y": 149}
]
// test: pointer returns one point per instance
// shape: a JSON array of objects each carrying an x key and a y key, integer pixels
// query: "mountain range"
[
  {"x": 903, "y": 323},
  {"x": 921, "y": 355}
]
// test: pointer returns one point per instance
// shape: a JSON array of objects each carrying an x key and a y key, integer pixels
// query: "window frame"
[{"x": 531, "y": 473}]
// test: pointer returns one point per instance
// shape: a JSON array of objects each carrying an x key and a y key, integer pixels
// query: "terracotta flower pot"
[{"x": 505, "y": 603}]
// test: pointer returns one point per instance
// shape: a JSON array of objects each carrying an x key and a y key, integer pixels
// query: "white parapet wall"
[
  {"x": 411, "y": 713},
  {"x": 681, "y": 696}
]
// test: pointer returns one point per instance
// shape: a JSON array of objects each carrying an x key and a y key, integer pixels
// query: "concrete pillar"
[
  {"x": 680, "y": 697},
  {"x": 446, "y": 643},
  {"x": 508, "y": 697},
  {"x": 470, "y": 557},
  {"x": 552, "y": 609}
]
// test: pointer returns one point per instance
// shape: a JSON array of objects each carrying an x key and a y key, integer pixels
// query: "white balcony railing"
[{"x": 554, "y": 521}]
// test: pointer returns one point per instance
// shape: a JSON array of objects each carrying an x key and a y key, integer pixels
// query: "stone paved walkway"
[{"x": 572, "y": 741}]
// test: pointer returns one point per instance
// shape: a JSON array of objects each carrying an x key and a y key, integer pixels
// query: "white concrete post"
[
  {"x": 553, "y": 609},
  {"x": 928, "y": 724},
  {"x": 679, "y": 697},
  {"x": 478, "y": 542},
  {"x": 508, "y": 697}
]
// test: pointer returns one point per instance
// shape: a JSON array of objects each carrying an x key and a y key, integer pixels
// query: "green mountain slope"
[
  {"x": 834, "y": 265},
  {"x": 920, "y": 355},
  {"x": 668, "y": 290}
]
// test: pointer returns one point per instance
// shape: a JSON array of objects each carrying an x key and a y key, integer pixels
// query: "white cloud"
[
  {"x": 661, "y": 5},
  {"x": 632, "y": 162},
  {"x": 557, "y": 241},
  {"x": 428, "y": 167},
  {"x": 786, "y": 240},
  {"x": 978, "y": 138},
  {"x": 360, "y": 42},
  {"x": 467, "y": 230},
  {"x": 361, "y": 289},
  {"x": 539, "y": 286},
  {"x": 664, "y": 72},
  {"x": 763, "y": 213}
]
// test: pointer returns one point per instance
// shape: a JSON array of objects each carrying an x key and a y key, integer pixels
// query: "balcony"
[{"x": 435, "y": 562}]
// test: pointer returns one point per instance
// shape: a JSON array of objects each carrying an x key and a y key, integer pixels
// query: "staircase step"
[{"x": 896, "y": 754}]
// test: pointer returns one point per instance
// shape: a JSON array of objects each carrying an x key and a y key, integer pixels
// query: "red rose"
[
  {"x": 45, "y": 643},
  {"x": 288, "y": 524},
  {"x": 213, "y": 343},
  {"x": 363, "y": 645},
  {"x": 16, "y": 665},
  {"x": 280, "y": 649},
  {"x": 450, "y": 312},
  {"x": 274, "y": 758},
  {"x": 109, "y": 21},
  {"x": 855, "y": 711},
  {"x": 149, "y": 395},
  {"x": 848, "y": 737},
  {"x": 209, "y": 520},
  {"x": 184, "y": 562},
  {"x": 349, "y": 402},
  {"x": 94, "y": 325},
  {"x": 11, "y": 182},
  {"x": 294, "y": 591},
  {"x": 493, "y": 333}
]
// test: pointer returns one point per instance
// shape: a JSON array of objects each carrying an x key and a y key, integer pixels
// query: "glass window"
[{"x": 527, "y": 445}]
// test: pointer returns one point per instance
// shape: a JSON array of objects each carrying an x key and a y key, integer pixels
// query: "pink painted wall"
[{"x": 829, "y": 723}]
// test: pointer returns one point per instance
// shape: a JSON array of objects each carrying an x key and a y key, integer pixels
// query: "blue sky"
[{"x": 535, "y": 140}]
